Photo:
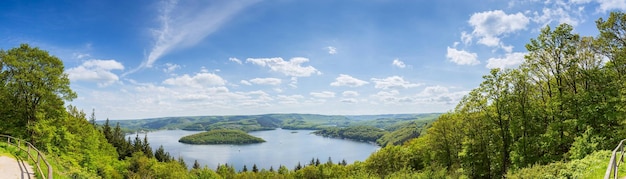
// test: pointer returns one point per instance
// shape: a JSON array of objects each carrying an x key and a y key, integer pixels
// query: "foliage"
[
  {"x": 221, "y": 136},
  {"x": 592, "y": 166},
  {"x": 362, "y": 133}
]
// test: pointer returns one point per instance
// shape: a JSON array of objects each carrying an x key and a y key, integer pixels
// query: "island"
[{"x": 221, "y": 136}]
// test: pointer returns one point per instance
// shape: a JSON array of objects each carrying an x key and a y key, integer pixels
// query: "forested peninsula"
[{"x": 221, "y": 136}]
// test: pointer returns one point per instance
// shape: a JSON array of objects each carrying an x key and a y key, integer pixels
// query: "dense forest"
[
  {"x": 553, "y": 116},
  {"x": 221, "y": 136}
]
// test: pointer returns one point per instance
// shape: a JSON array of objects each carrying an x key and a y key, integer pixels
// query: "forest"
[
  {"x": 554, "y": 116},
  {"x": 221, "y": 136}
]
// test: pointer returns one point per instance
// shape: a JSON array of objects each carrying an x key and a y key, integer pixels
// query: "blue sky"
[{"x": 143, "y": 59}]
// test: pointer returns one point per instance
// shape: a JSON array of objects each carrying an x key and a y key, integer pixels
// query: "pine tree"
[
  {"x": 254, "y": 168},
  {"x": 106, "y": 130},
  {"x": 317, "y": 162},
  {"x": 298, "y": 167},
  {"x": 271, "y": 169},
  {"x": 245, "y": 168},
  {"x": 92, "y": 119},
  {"x": 181, "y": 161},
  {"x": 161, "y": 155},
  {"x": 147, "y": 150},
  {"x": 196, "y": 165},
  {"x": 330, "y": 161}
]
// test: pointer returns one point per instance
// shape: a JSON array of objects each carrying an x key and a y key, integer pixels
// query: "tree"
[
  {"x": 298, "y": 167},
  {"x": 196, "y": 165},
  {"x": 245, "y": 168},
  {"x": 146, "y": 147},
  {"x": 254, "y": 168},
  {"x": 92, "y": 118},
  {"x": 161, "y": 155},
  {"x": 34, "y": 85}
]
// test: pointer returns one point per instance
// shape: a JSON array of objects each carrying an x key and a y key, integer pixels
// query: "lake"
[{"x": 282, "y": 147}]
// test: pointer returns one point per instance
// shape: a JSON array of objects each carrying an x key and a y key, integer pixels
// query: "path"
[{"x": 12, "y": 168}]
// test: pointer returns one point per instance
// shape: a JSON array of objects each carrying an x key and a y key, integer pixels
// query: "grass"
[{"x": 592, "y": 166}]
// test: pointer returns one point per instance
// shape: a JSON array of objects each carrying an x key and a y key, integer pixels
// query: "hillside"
[{"x": 270, "y": 121}]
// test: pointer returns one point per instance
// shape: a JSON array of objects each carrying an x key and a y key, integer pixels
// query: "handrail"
[
  {"x": 40, "y": 155},
  {"x": 613, "y": 164}
]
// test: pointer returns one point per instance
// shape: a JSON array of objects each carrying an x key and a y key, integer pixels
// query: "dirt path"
[{"x": 12, "y": 168}]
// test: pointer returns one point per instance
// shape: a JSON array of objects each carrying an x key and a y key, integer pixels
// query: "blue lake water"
[{"x": 282, "y": 147}]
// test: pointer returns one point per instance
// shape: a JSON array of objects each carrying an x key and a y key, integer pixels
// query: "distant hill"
[{"x": 269, "y": 121}]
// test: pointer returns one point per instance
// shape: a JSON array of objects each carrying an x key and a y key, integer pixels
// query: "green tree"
[
  {"x": 196, "y": 165},
  {"x": 161, "y": 155},
  {"x": 35, "y": 86},
  {"x": 92, "y": 118},
  {"x": 254, "y": 168}
]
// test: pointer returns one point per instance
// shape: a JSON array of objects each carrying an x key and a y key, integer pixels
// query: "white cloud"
[
  {"x": 78, "y": 55},
  {"x": 350, "y": 94},
  {"x": 294, "y": 82},
  {"x": 393, "y": 82},
  {"x": 387, "y": 96},
  {"x": 466, "y": 38},
  {"x": 462, "y": 57},
  {"x": 293, "y": 67},
  {"x": 559, "y": 14},
  {"x": 349, "y": 100},
  {"x": 199, "y": 80},
  {"x": 235, "y": 60},
  {"x": 400, "y": 64},
  {"x": 606, "y": 5},
  {"x": 98, "y": 71},
  {"x": 509, "y": 60},
  {"x": 170, "y": 67},
  {"x": 323, "y": 94},
  {"x": 347, "y": 80},
  {"x": 433, "y": 91},
  {"x": 266, "y": 81},
  {"x": 289, "y": 99},
  {"x": 331, "y": 50},
  {"x": 184, "y": 25},
  {"x": 490, "y": 25},
  {"x": 245, "y": 82}
]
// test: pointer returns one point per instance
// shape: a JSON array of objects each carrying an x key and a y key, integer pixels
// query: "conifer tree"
[
  {"x": 254, "y": 168},
  {"x": 92, "y": 119},
  {"x": 196, "y": 165},
  {"x": 245, "y": 168},
  {"x": 147, "y": 150}
]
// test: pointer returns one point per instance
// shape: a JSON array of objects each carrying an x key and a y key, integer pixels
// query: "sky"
[{"x": 147, "y": 59}]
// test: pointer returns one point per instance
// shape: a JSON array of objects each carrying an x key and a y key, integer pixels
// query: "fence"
[
  {"x": 615, "y": 162},
  {"x": 19, "y": 143}
]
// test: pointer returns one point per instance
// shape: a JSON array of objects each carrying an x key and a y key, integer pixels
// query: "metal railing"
[
  {"x": 615, "y": 162},
  {"x": 37, "y": 160}
]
